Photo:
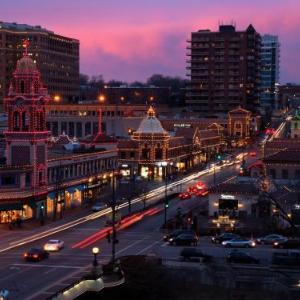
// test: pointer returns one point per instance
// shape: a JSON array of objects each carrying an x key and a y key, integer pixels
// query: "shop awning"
[{"x": 11, "y": 206}]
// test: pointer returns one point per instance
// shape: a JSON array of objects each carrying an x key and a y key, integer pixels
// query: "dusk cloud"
[{"x": 132, "y": 39}]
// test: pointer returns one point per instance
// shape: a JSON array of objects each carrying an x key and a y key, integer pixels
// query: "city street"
[{"x": 39, "y": 280}]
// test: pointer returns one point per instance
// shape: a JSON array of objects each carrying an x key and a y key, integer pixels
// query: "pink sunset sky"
[{"x": 133, "y": 39}]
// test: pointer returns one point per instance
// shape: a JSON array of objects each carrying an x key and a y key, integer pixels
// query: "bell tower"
[{"x": 26, "y": 136}]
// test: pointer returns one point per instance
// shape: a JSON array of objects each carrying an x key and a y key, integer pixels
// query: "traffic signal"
[
  {"x": 219, "y": 156},
  {"x": 166, "y": 205},
  {"x": 42, "y": 206}
]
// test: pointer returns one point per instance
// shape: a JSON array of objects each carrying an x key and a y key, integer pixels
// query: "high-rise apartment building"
[
  {"x": 56, "y": 56},
  {"x": 270, "y": 55},
  {"x": 224, "y": 70}
]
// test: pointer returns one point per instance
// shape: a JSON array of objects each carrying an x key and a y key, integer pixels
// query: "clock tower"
[{"x": 26, "y": 136}]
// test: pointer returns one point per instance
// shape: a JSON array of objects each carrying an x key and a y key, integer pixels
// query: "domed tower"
[{"x": 26, "y": 137}]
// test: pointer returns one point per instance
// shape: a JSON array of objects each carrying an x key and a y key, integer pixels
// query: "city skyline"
[{"x": 154, "y": 33}]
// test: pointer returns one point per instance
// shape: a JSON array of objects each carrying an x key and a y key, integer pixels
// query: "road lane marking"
[
  {"x": 128, "y": 247},
  {"x": 50, "y": 271},
  {"x": 147, "y": 248},
  {"x": 48, "y": 266}
]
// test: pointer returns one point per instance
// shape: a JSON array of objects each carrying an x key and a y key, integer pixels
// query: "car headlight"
[
  {"x": 223, "y": 243},
  {"x": 276, "y": 244},
  {"x": 253, "y": 244},
  {"x": 171, "y": 239}
]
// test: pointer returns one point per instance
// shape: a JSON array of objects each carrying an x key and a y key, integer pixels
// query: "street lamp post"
[{"x": 95, "y": 251}]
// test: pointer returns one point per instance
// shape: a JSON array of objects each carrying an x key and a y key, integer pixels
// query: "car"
[
  {"x": 175, "y": 233},
  {"x": 184, "y": 239},
  {"x": 270, "y": 239},
  {"x": 35, "y": 254},
  {"x": 288, "y": 258},
  {"x": 241, "y": 257},
  {"x": 99, "y": 206},
  {"x": 194, "y": 254},
  {"x": 287, "y": 244},
  {"x": 54, "y": 245},
  {"x": 202, "y": 193},
  {"x": 218, "y": 239},
  {"x": 184, "y": 196},
  {"x": 239, "y": 243}
]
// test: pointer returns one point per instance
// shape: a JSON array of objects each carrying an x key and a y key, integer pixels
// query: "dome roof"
[
  {"x": 26, "y": 65},
  {"x": 151, "y": 124}
]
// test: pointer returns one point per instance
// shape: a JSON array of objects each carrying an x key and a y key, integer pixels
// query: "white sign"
[{"x": 228, "y": 197}]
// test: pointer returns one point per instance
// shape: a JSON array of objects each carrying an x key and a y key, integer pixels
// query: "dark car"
[
  {"x": 175, "y": 233},
  {"x": 288, "y": 258},
  {"x": 35, "y": 254},
  {"x": 195, "y": 254},
  {"x": 287, "y": 244},
  {"x": 218, "y": 239},
  {"x": 184, "y": 239},
  {"x": 241, "y": 258},
  {"x": 270, "y": 239}
]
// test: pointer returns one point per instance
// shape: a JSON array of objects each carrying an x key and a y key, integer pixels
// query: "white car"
[
  {"x": 239, "y": 243},
  {"x": 54, "y": 245},
  {"x": 99, "y": 206}
]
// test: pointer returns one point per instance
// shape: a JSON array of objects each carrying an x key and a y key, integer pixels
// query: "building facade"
[
  {"x": 56, "y": 56},
  {"x": 42, "y": 176},
  {"x": 224, "y": 70},
  {"x": 151, "y": 145},
  {"x": 270, "y": 59}
]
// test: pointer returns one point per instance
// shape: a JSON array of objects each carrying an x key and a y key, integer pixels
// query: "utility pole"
[
  {"x": 113, "y": 219},
  {"x": 166, "y": 197}
]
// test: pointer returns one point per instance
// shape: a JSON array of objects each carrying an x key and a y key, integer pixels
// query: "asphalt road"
[{"x": 39, "y": 280}]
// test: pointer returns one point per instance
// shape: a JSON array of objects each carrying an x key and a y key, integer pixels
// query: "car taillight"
[
  {"x": 35, "y": 256},
  {"x": 25, "y": 254}
]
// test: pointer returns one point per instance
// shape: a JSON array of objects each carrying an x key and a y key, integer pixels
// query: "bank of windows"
[{"x": 58, "y": 174}]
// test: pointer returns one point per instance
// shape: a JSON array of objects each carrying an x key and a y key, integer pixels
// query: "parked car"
[
  {"x": 218, "y": 239},
  {"x": 195, "y": 254},
  {"x": 239, "y": 243},
  {"x": 175, "y": 233},
  {"x": 287, "y": 244},
  {"x": 288, "y": 258},
  {"x": 99, "y": 206},
  {"x": 184, "y": 239},
  {"x": 241, "y": 257},
  {"x": 35, "y": 254},
  {"x": 184, "y": 196},
  {"x": 270, "y": 239},
  {"x": 54, "y": 245}
]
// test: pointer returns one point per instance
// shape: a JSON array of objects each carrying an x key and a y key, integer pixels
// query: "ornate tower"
[{"x": 26, "y": 137}]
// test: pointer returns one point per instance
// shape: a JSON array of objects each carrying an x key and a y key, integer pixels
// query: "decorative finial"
[
  {"x": 25, "y": 46},
  {"x": 151, "y": 112}
]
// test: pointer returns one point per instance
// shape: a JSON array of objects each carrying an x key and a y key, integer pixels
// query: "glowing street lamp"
[
  {"x": 101, "y": 98},
  {"x": 56, "y": 98},
  {"x": 95, "y": 251}
]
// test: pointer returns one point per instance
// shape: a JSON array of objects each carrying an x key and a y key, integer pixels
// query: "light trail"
[{"x": 154, "y": 193}]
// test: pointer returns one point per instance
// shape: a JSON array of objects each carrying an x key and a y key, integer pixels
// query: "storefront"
[
  {"x": 10, "y": 212},
  {"x": 64, "y": 199}
]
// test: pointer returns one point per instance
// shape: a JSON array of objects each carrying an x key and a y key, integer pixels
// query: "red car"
[{"x": 184, "y": 196}]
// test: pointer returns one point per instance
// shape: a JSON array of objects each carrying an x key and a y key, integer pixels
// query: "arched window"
[
  {"x": 22, "y": 86},
  {"x": 24, "y": 121},
  {"x": 16, "y": 121}
]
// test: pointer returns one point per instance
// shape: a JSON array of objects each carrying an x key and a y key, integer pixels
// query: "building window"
[
  {"x": 273, "y": 173},
  {"x": 123, "y": 154},
  {"x": 285, "y": 174},
  {"x": 8, "y": 180},
  {"x": 146, "y": 153},
  {"x": 132, "y": 154}
]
